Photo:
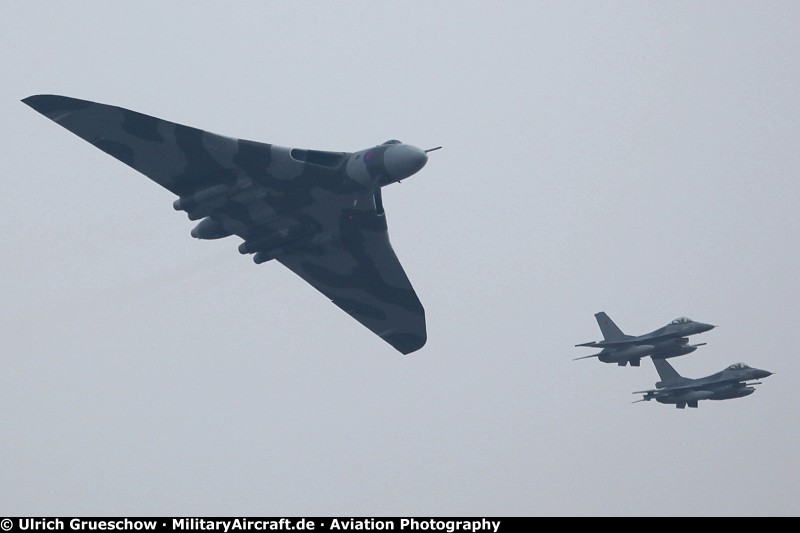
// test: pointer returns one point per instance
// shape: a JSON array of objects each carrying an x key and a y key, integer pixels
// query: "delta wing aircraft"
[
  {"x": 676, "y": 389},
  {"x": 668, "y": 341},
  {"x": 318, "y": 213}
]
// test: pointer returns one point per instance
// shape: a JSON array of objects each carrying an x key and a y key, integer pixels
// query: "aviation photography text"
[{"x": 230, "y": 525}]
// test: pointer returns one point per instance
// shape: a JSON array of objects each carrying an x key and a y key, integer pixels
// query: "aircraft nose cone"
[
  {"x": 403, "y": 160},
  {"x": 706, "y": 327}
]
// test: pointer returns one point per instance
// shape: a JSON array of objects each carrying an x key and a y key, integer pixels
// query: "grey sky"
[{"x": 639, "y": 158}]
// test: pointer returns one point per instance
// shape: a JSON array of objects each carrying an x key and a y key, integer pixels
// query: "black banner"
[{"x": 255, "y": 525}]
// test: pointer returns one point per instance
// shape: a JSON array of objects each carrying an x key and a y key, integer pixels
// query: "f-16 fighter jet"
[
  {"x": 318, "y": 213},
  {"x": 669, "y": 341},
  {"x": 675, "y": 389}
]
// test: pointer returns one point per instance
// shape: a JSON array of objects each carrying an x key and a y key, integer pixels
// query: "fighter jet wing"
[
  {"x": 634, "y": 341},
  {"x": 180, "y": 158},
  {"x": 680, "y": 388},
  {"x": 359, "y": 271}
]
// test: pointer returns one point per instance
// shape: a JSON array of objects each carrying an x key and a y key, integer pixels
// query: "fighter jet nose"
[
  {"x": 403, "y": 160},
  {"x": 706, "y": 327}
]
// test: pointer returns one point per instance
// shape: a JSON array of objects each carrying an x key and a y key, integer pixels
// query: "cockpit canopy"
[
  {"x": 392, "y": 141},
  {"x": 681, "y": 320},
  {"x": 738, "y": 366}
]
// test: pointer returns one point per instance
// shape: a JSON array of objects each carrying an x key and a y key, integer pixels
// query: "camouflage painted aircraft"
[
  {"x": 676, "y": 389},
  {"x": 669, "y": 341},
  {"x": 318, "y": 213}
]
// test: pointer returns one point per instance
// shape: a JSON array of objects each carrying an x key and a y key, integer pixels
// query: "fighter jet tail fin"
[
  {"x": 610, "y": 330},
  {"x": 669, "y": 376}
]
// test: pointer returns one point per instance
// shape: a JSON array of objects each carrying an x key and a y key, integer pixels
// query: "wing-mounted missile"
[
  {"x": 648, "y": 395},
  {"x": 651, "y": 395},
  {"x": 209, "y": 229},
  {"x": 680, "y": 400},
  {"x": 630, "y": 355},
  {"x": 591, "y": 344}
]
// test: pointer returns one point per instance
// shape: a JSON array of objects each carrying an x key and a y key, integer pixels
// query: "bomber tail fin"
[{"x": 610, "y": 330}]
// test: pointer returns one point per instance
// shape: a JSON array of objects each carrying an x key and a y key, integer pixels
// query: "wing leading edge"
[{"x": 180, "y": 158}]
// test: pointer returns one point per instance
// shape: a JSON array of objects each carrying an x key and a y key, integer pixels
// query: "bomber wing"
[
  {"x": 358, "y": 270},
  {"x": 252, "y": 185},
  {"x": 180, "y": 158}
]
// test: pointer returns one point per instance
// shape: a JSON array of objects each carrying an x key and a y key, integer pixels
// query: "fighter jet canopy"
[
  {"x": 738, "y": 366},
  {"x": 682, "y": 320}
]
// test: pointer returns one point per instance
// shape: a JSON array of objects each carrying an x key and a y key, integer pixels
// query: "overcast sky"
[{"x": 639, "y": 158}]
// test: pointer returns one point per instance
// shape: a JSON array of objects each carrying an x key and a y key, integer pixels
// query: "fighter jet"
[
  {"x": 665, "y": 342},
  {"x": 675, "y": 389},
  {"x": 318, "y": 213}
]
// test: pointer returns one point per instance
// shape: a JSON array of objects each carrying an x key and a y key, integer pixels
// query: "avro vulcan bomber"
[{"x": 318, "y": 213}]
